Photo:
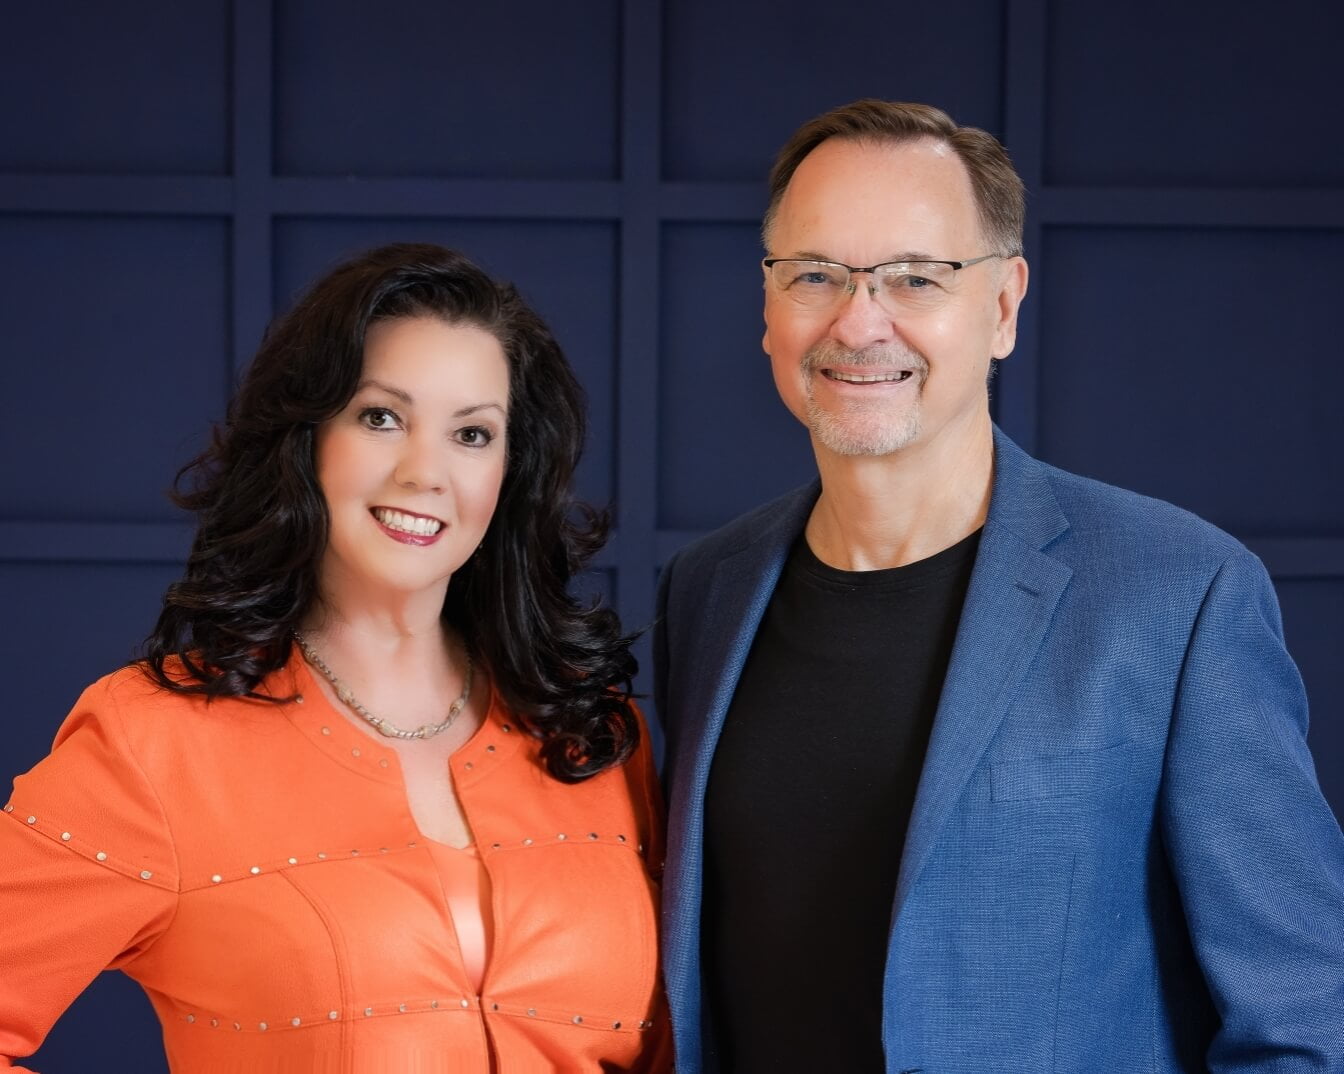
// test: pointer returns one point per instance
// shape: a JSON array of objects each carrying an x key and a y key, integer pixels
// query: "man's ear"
[{"x": 1012, "y": 290}]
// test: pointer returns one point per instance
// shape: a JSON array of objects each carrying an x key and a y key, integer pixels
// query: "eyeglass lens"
[{"x": 900, "y": 286}]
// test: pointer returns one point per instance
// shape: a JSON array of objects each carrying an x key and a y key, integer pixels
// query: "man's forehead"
[
  {"x": 893, "y": 166},
  {"x": 904, "y": 198}
]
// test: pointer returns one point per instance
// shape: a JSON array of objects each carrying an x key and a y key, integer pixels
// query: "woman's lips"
[{"x": 406, "y": 527}]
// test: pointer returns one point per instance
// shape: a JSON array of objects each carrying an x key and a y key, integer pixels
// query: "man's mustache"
[{"x": 828, "y": 352}]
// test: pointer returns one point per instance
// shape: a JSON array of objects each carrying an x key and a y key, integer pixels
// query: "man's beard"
[{"x": 861, "y": 427}]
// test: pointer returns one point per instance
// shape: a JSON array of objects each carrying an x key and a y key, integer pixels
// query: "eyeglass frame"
[{"x": 768, "y": 263}]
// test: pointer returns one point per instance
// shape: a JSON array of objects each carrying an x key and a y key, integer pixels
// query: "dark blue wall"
[{"x": 172, "y": 173}]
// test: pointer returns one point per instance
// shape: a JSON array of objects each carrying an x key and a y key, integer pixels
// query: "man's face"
[{"x": 866, "y": 380}]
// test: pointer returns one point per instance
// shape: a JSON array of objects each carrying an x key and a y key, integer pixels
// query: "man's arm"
[{"x": 1256, "y": 852}]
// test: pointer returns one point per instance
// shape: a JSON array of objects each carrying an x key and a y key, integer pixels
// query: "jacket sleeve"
[
  {"x": 88, "y": 878},
  {"x": 1256, "y": 852}
]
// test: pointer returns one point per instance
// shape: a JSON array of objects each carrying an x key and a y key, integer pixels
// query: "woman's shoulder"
[
  {"x": 128, "y": 755},
  {"x": 132, "y": 707},
  {"x": 91, "y": 793},
  {"x": 133, "y": 687}
]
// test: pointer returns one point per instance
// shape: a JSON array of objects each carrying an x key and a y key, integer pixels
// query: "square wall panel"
[
  {"x": 1161, "y": 94},
  {"x": 139, "y": 86},
  {"x": 80, "y": 622},
  {"x": 739, "y": 78},
  {"x": 525, "y": 90},
  {"x": 1199, "y": 367},
  {"x": 1313, "y": 623},
  {"x": 565, "y": 270},
  {"x": 116, "y": 345},
  {"x": 725, "y": 441}
]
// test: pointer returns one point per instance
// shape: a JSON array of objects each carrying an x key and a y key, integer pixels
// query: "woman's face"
[{"x": 411, "y": 468}]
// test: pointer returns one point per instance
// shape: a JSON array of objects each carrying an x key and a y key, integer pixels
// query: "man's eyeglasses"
[{"x": 897, "y": 286}]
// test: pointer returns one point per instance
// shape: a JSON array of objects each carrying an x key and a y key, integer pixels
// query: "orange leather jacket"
[{"x": 256, "y": 869}]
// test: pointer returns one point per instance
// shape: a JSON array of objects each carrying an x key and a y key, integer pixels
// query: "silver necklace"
[{"x": 383, "y": 726}]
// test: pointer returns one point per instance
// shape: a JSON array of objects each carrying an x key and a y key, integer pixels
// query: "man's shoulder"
[
  {"x": 1119, "y": 522},
  {"x": 779, "y": 520}
]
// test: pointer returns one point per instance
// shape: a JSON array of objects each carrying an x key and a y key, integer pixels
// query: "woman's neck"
[{"x": 407, "y": 639}]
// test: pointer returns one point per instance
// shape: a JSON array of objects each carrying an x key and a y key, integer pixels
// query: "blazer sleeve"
[
  {"x": 89, "y": 877},
  {"x": 1256, "y": 852}
]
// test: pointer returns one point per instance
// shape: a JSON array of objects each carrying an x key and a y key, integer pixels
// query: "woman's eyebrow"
[
  {"x": 405, "y": 397},
  {"x": 475, "y": 407}
]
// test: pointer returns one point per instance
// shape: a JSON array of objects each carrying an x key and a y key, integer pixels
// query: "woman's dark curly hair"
[{"x": 252, "y": 575}]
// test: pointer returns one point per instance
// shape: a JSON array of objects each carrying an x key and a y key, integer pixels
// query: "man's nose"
[{"x": 860, "y": 320}]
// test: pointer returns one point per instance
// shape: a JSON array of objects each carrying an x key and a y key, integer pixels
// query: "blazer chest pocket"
[{"x": 1073, "y": 774}]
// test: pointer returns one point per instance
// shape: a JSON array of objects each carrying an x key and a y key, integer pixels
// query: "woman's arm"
[{"x": 87, "y": 873}]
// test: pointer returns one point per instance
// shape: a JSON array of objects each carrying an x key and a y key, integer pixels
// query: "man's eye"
[
  {"x": 909, "y": 282},
  {"x": 377, "y": 417},
  {"x": 817, "y": 278}
]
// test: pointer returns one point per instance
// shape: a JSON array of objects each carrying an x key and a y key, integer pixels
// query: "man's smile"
[{"x": 867, "y": 378}]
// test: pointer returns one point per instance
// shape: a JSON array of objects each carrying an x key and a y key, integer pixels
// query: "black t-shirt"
[{"x": 808, "y": 804}]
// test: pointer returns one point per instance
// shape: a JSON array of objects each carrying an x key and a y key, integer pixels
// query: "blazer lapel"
[
  {"x": 734, "y": 602},
  {"x": 1012, "y": 597}
]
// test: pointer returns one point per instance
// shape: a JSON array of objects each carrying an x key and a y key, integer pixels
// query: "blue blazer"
[{"x": 1119, "y": 858}]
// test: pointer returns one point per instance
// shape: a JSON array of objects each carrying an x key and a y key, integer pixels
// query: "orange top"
[
  {"x": 466, "y": 888},
  {"x": 257, "y": 870}
]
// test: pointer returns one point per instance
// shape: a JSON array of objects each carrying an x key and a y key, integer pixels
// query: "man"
[{"x": 974, "y": 765}]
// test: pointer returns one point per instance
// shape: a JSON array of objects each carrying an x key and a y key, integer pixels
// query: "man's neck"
[{"x": 897, "y": 509}]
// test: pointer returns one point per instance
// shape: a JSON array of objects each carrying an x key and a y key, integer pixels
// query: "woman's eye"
[
  {"x": 476, "y": 436},
  {"x": 377, "y": 417}
]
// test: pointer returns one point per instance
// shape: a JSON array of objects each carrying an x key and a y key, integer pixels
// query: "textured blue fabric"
[{"x": 1120, "y": 859}]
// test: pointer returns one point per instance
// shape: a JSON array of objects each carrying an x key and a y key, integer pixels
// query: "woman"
[{"x": 377, "y": 798}]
